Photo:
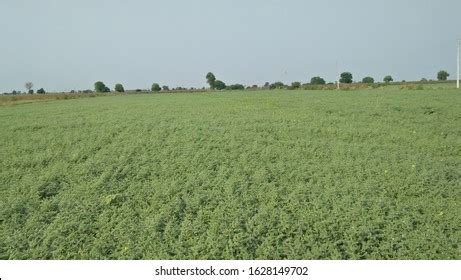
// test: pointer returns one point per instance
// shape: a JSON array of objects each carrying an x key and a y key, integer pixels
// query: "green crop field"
[{"x": 370, "y": 174}]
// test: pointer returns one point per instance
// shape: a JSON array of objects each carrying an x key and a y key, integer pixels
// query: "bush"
[
  {"x": 388, "y": 79},
  {"x": 277, "y": 85},
  {"x": 219, "y": 85},
  {"x": 236, "y": 87},
  {"x": 155, "y": 87},
  {"x": 368, "y": 80},
  {"x": 317, "y": 81},
  {"x": 119, "y": 88},
  {"x": 165, "y": 88},
  {"x": 295, "y": 85},
  {"x": 346, "y": 78},
  {"x": 31, "y": 91},
  {"x": 100, "y": 87},
  {"x": 442, "y": 75},
  {"x": 41, "y": 91}
]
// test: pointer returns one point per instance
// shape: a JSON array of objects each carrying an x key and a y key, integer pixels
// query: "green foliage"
[
  {"x": 295, "y": 85},
  {"x": 155, "y": 87},
  {"x": 277, "y": 85},
  {"x": 371, "y": 174},
  {"x": 346, "y": 78},
  {"x": 368, "y": 80},
  {"x": 165, "y": 88},
  {"x": 211, "y": 79},
  {"x": 442, "y": 75},
  {"x": 41, "y": 91},
  {"x": 219, "y": 85},
  {"x": 317, "y": 81},
  {"x": 388, "y": 79},
  {"x": 119, "y": 88},
  {"x": 236, "y": 87},
  {"x": 31, "y": 91},
  {"x": 100, "y": 87}
]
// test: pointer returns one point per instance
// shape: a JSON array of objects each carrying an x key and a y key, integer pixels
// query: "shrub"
[
  {"x": 368, "y": 80},
  {"x": 119, "y": 88},
  {"x": 276, "y": 85},
  {"x": 346, "y": 78},
  {"x": 99, "y": 87},
  {"x": 236, "y": 87},
  {"x": 388, "y": 79},
  {"x": 295, "y": 85},
  {"x": 219, "y": 85},
  {"x": 41, "y": 91},
  {"x": 442, "y": 75},
  {"x": 155, "y": 87},
  {"x": 317, "y": 81}
]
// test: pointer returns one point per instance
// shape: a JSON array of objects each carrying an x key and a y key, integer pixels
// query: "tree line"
[{"x": 215, "y": 84}]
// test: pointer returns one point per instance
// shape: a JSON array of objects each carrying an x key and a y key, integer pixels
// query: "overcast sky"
[{"x": 69, "y": 44}]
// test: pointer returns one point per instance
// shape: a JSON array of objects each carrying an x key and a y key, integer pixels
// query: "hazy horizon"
[{"x": 68, "y": 45}]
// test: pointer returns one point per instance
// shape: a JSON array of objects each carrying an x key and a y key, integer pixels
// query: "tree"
[
  {"x": 219, "y": 85},
  {"x": 236, "y": 87},
  {"x": 165, "y": 88},
  {"x": 100, "y": 87},
  {"x": 29, "y": 86},
  {"x": 41, "y": 91},
  {"x": 346, "y": 78},
  {"x": 442, "y": 75},
  {"x": 266, "y": 85},
  {"x": 276, "y": 85},
  {"x": 211, "y": 80},
  {"x": 368, "y": 80},
  {"x": 388, "y": 79},
  {"x": 295, "y": 85},
  {"x": 119, "y": 88},
  {"x": 155, "y": 87},
  {"x": 317, "y": 81}
]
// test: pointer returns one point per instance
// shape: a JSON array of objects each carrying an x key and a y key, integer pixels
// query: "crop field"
[{"x": 369, "y": 174}]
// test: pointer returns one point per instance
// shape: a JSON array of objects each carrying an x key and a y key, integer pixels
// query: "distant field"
[{"x": 370, "y": 174}]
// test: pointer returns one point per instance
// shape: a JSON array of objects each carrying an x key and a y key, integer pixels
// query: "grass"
[{"x": 371, "y": 174}]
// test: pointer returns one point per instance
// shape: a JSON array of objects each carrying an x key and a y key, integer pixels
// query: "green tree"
[
  {"x": 295, "y": 85},
  {"x": 165, "y": 88},
  {"x": 276, "y": 85},
  {"x": 155, "y": 87},
  {"x": 211, "y": 80},
  {"x": 100, "y": 87},
  {"x": 442, "y": 75},
  {"x": 236, "y": 87},
  {"x": 388, "y": 79},
  {"x": 346, "y": 78},
  {"x": 219, "y": 85},
  {"x": 317, "y": 81},
  {"x": 41, "y": 91},
  {"x": 368, "y": 80},
  {"x": 119, "y": 88}
]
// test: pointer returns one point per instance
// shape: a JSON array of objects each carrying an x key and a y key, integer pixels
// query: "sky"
[{"x": 64, "y": 45}]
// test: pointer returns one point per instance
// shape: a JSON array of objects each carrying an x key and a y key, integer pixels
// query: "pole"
[
  {"x": 337, "y": 75},
  {"x": 457, "y": 77}
]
